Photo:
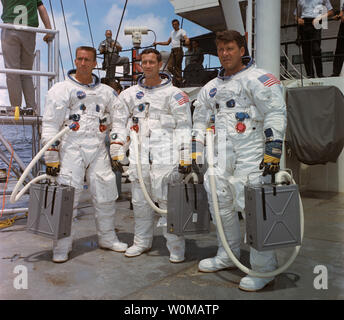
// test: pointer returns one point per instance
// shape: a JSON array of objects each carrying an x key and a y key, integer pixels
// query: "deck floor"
[{"x": 93, "y": 273}]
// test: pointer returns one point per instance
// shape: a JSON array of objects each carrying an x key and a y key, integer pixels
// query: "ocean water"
[{"x": 20, "y": 137}]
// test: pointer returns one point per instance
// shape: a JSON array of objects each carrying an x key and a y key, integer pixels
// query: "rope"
[
  {"x": 52, "y": 14},
  {"x": 297, "y": 71},
  {"x": 89, "y": 25},
  {"x": 119, "y": 27},
  {"x": 89, "y": 28},
  {"x": 10, "y": 221},
  {"x": 65, "y": 23},
  {"x": 290, "y": 76}
]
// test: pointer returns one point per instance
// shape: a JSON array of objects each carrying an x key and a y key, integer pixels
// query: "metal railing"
[
  {"x": 53, "y": 53},
  {"x": 53, "y": 77}
]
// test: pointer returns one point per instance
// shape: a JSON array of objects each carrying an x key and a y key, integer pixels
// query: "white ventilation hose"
[
  {"x": 250, "y": 272},
  {"x": 139, "y": 173},
  {"x": 14, "y": 196}
]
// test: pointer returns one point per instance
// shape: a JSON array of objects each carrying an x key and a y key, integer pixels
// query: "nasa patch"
[
  {"x": 81, "y": 94},
  {"x": 139, "y": 95},
  {"x": 212, "y": 92},
  {"x": 141, "y": 107},
  {"x": 230, "y": 103}
]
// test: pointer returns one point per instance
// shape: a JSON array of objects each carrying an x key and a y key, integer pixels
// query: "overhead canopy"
[
  {"x": 207, "y": 43},
  {"x": 214, "y": 15}
]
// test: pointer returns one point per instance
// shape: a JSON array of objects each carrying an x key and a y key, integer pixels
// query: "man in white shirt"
[
  {"x": 309, "y": 14},
  {"x": 177, "y": 39}
]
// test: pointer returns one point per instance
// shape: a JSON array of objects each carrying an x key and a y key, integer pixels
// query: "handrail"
[
  {"x": 307, "y": 40},
  {"x": 52, "y": 73},
  {"x": 28, "y": 72},
  {"x": 21, "y": 27},
  {"x": 53, "y": 68}
]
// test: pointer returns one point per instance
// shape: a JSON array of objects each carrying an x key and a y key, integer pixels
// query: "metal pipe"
[
  {"x": 15, "y": 156},
  {"x": 36, "y": 30},
  {"x": 26, "y": 120},
  {"x": 7, "y": 212},
  {"x": 249, "y": 26},
  {"x": 7, "y": 161},
  {"x": 56, "y": 57},
  {"x": 28, "y": 72},
  {"x": 268, "y": 38},
  {"x": 50, "y": 80},
  {"x": 38, "y": 83},
  {"x": 20, "y": 27}
]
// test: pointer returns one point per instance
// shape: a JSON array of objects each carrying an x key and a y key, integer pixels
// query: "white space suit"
[
  {"x": 164, "y": 121},
  {"x": 249, "y": 109},
  {"x": 83, "y": 153}
]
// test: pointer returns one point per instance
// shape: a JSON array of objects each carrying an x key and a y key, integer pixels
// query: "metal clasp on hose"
[
  {"x": 75, "y": 125},
  {"x": 135, "y": 126}
]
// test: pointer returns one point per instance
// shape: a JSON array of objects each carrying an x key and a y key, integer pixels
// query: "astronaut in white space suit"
[
  {"x": 162, "y": 113},
  {"x": 81, "y": 153},
  {"x": 249, "y": 112}
]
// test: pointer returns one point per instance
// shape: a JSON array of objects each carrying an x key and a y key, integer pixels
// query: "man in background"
[
  {"x": 18, "y": 47},
  {"x": 177, "y": 39},
  {"x": 111, "y": 48},
  {"x": 309, "y": 15}
]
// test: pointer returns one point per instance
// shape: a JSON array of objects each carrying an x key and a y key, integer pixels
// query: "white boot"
[
  {"x": 135, "y": 250},
  {"x": 144, "y": 223},
  {"x": 105, "y": 223},
  {"x": 253, "y": 284},
  {"x": 175, "y": 245},
  {"x": 261, "y": 261},
  {"x": 220, "y": 262},
  {"x": 231, "y": 228},
  {"x": 60, "y": 257},
  {"x": 61, "y": 249},
  {"x": 215, "y": 264},
  {"x": 143, "y": 236},
  {"x": 117, "y": 246}
]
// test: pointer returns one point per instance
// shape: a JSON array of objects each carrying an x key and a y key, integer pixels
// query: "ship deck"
[{"x": 93, "y": 273}]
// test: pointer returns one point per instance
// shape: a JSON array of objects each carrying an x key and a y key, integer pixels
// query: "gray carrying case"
[
  {"x": 272, "y": 216},
  {"x": 50, "y": 210},
  {"x": 187, "y": 209}
]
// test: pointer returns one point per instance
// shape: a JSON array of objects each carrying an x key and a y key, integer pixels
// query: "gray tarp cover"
[{"x": 315, "y": 131}]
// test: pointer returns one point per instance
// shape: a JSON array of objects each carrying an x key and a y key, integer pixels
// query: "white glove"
[
  {"x": 117, "y": 151},
  {"x": 52, "y": 161},
  {"x": 184, "y": 159},
  {"x": 185, "y": 155},
  {"x": 51, "y": 157}
]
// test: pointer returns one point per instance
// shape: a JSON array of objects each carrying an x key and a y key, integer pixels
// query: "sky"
[{"x": 104, "y": 14}]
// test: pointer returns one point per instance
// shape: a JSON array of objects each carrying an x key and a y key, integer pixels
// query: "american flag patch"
[
  {"x": 268, "y": 80},
  {"x": 181, "y": 98}
]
